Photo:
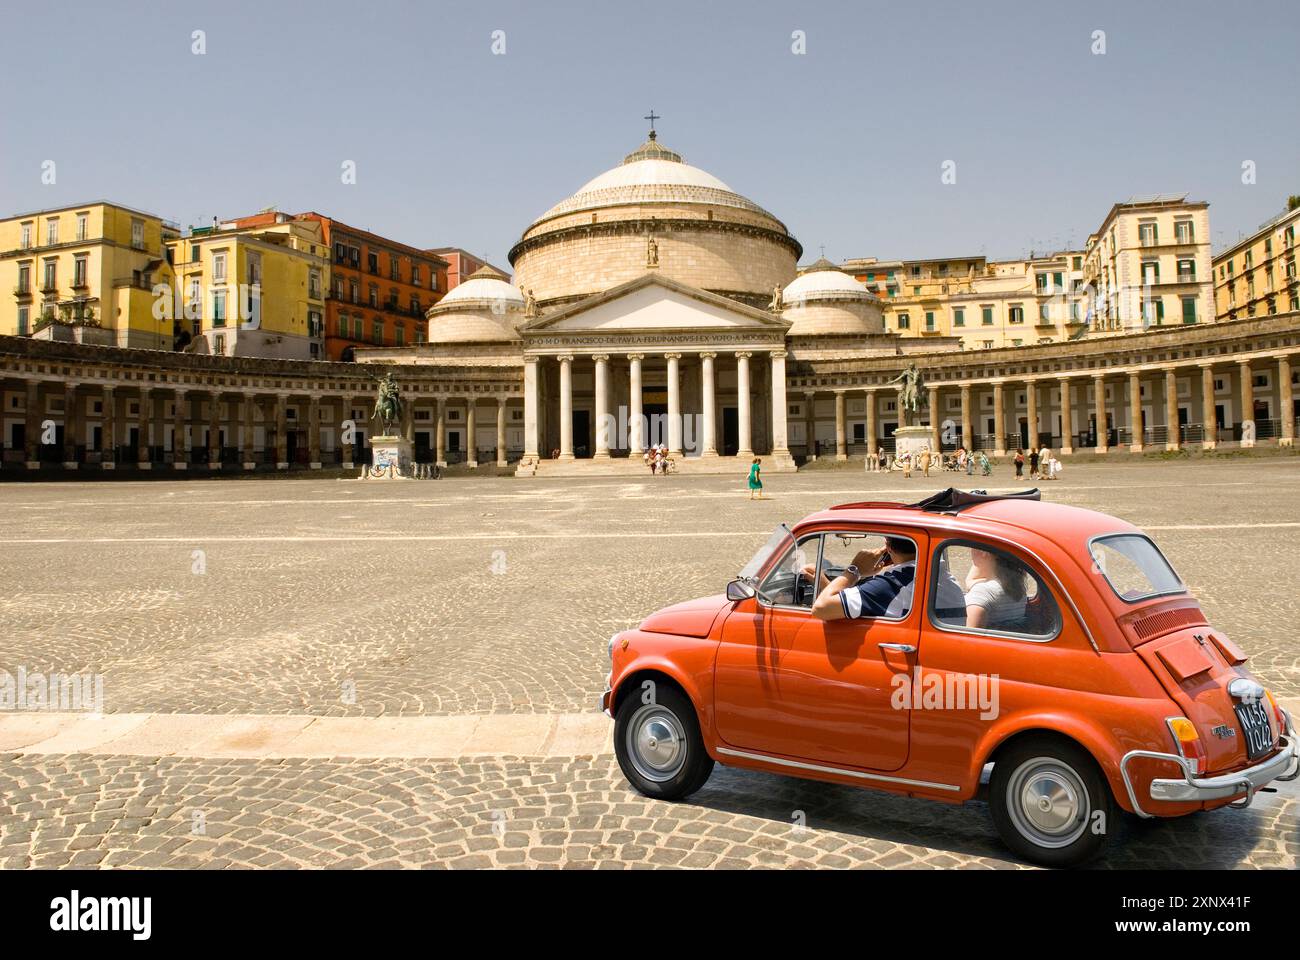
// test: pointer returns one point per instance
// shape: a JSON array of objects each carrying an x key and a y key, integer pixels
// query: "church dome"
[
  {"x": 825, "y": 281},
  {"x": 824, "y": 300},
  {"x": 655, "y": 213},
  {"x": 485, "y": 307}
]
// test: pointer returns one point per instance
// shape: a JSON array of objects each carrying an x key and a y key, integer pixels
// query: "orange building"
[
  {"x": 379, "y": 289},
  {"x": 461, "y": 264}
]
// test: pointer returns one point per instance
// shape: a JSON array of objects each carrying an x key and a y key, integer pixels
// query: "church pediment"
[{"x": 653, "y": 303}]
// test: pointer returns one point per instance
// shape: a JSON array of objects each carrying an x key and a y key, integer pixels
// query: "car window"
[
  {"x": 980, "y": 589},
  {"x": 785, "y": 584},
  {"x": 1134, "y": 567}
]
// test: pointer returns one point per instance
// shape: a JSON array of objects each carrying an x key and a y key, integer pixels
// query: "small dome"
[
  {"x": 825, "y": 281},
  {"x": 484, "y": 284}
]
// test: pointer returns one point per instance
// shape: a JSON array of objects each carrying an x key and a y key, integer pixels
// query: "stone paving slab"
[{"x": 272, "y": 736}]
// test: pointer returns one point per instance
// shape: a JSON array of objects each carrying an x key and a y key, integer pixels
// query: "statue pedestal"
[
  {"x": 390, "y": 458},
  {"x": 912, "y": 440}
]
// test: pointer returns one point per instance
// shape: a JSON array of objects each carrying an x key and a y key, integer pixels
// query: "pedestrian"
[
  {"x": 1044, "y": 456},
  {"x": 970, "y": 463},
  {"x": 925, "y": 461},
  {"x": 906, "y": 460},
  {"x": 755, "y": 480},
  {"x": 985, "y": 468},
  {"x": 1033, "y": 464},
  {"x": 880, "y": 458},
  {"x": 1020, "y": 463}
]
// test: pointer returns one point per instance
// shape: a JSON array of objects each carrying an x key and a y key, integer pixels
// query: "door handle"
[{"x": 898, "y": 647}]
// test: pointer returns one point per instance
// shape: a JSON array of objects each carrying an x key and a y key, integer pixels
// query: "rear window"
[{"x": 1134, "y": 567}]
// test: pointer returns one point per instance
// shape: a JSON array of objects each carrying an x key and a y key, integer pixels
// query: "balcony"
[
  {"x": 49, "y": 287},
  {"x": 80, "y": 283},
  {"x": 23, "y": 292}
]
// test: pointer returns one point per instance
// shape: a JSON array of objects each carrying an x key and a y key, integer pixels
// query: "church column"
[
  {"x": 810, "y": 424},
  {"x": 1067, "y": 417},
  {"x": 214, "y": 431},
  {"x": 967, "y": 435},
  {"x": 566, "y": 408},
  {"x": 1209, "y": 422},
  {"x": 780, "y": 409},
  {"x": 532, "y": 443},
  {"x": 1099, "y": 412},
  {"x": 1247, "y": 403},
  {"x": 313, "y": 431},
  {"x": 471, "y": 431},
  {"x": 180, "y": 423},
  {"x": 602, "y": 406},
  {"x": 1000, "y": 419},
  {"x": 501, "y": 431},
  {"x": 71, "y": 425},
  {"x": 746, "y": 443},
  {"x": 108, "y": 429},
  {"x": 872, "y": 440},
  {"x": 440, "y": 431},
  {"x": 1285, "y": 402},
  {"x": 1171, "y": 410},
  {"x": 936, "y": 436},
  {"x": 32, "y": 429},
  {"x": 636, "y": 428},
  {"x": 674, "y": 404},
  {"x": 841, "y": 437},
  {"x": 709, "y": 447},
  {"x": 143, "y": 423},
  {"x": 281, "y": 431},
  {"x": 1031, "y": 412},
  {"x": 1135, "y": 412},
  {"x": 248, "y": 435}
]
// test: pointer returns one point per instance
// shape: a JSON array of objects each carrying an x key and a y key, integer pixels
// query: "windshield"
[
  {"x": 780, "y": 540},
  {"x": 1134, "y": 567}
]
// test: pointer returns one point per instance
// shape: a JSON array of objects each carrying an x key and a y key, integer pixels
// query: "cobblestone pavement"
[
  {"x": 579, "y": 812},
  {"x": 474, "y": 596},
  {"x": 304, "y": 607}
]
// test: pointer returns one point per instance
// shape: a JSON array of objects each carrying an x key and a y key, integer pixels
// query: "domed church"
[{"x": 655, "y": 305}]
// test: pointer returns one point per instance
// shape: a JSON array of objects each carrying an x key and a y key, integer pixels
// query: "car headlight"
[{"x": 610, "y": 649}]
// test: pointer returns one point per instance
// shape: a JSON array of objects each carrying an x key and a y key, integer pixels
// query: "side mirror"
[{"x": 739, "y": 590}]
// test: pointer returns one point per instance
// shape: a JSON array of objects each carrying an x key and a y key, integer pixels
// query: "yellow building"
[
  {"x": 253, "y": 291},
  {"x": 987, "y": 304},
  {"x": 1257, "y": 275},
  {"x": 1149, "y": 265},
  {"x": 85, "y": 273}
]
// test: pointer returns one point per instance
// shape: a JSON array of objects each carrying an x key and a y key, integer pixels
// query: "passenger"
[
  {"x": 995, "y": 591},
  {"x": 877, "y": 584}
]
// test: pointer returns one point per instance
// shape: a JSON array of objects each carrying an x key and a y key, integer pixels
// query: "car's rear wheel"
[
  {"x": 1050, "y": 802},
  {"x": 658, "y": 744}
]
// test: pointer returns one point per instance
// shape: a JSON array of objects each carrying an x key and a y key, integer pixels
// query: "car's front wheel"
[
  {"x": 658, "y": 744},
  {"x": 1050, "y": 802}
]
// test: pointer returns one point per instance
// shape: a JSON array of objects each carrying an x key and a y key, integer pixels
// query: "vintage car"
[{"x": 1043, "y": 656}]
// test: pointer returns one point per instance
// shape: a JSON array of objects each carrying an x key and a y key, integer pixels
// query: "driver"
[{"x": 885, "y": 590}]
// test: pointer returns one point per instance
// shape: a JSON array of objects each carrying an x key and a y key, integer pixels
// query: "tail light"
[{"x": 1188, "y": 742}]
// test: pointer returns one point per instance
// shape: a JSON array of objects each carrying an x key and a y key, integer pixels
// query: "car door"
[{"x": 788, "y": 684}]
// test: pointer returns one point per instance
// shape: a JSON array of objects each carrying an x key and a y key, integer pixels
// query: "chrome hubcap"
[
  {"x": 656, "y": 743},
  {"x": 1048, "y": 802}
]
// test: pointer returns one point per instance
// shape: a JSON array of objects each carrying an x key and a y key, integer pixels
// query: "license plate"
[{"x": 1254, "y": 726}]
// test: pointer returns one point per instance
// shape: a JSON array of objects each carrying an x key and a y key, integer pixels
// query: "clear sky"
[{"x": 456, "y": 145}]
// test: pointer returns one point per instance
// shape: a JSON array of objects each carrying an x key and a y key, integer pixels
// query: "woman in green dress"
[{"x": 755, "y": 482}]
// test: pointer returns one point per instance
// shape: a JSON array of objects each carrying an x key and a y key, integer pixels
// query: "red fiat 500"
[{"x": 906, "y": 647}]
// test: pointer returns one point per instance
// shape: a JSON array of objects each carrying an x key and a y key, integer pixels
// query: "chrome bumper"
[{"x": 1284, "y": 765}]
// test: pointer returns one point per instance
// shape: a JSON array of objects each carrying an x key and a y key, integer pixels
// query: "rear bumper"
[{"x": 1241, "y": 784}]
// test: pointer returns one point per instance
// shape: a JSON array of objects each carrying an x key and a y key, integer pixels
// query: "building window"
[
  {"x": 50, "y": 283},
  {"x": 1016, "y": 314},
  {"x": 79, "y": 271},
  {"x": 219, "y": 344},
  {"x": 218, "y": 308},
  {"x": 377, "y": 331},
  {"x": 137, "y": 234},
  {"x": 1153, "y": 311},
  {"x": 314, "y": 325},
  {"x": 1189, "y": 309},
  {"x": 374, "y": 295},
  {"x": 987, "y": 318},
  {"x": 1183, "y": 231},
  {"x": 24, "y": 278},
  {"x": 219, "y": 267},
  {"x": 81, "y": 226},
  {"x": 929, "y": 321},
  {"x": 52, "y": 230},
  {"x": 1043, "y": 314},
  {"x": 1147, "y": 234},
  {"x": 415, "y": 274},
  {"x": 356, "y": 291},
  {"x": 904, "y": 321},
  {"x": 23, "y": 315},
  {"x": 1187, "y": 271},
  {"x": 313, "y": 284},
  {"x": 26, "y": 241},
  {"x": 959, "y": 317},
  {"x": 372, "y": 262},
  {"x": 254, "y": 269},
  {"x": 399, "y": 336},
  {"x": 394, "y": 268},
  {"x": 1150, "y": 272}
]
